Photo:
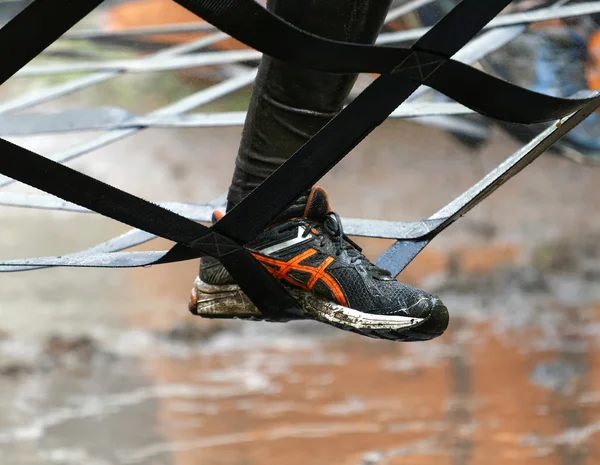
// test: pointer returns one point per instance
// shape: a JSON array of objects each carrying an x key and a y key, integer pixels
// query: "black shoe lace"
[{"x": 332, "y": 224}]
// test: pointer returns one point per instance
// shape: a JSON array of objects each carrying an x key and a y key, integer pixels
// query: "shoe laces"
[{"x": 332, "y": 225}]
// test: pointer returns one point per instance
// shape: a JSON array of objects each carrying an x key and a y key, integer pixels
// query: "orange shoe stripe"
[{"x": 283, "y": 268}]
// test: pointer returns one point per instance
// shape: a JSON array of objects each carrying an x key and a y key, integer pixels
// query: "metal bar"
[
  {"x": 143, "y": 65},
  {"x": 114, "y": 118},
  {"x": 473, "y": 52},
  {"x": 418, "y": 233},
  {"x": 203, "y": 213},
  {"x": 50, "y": 93},
  {"x": 187, "y": 103},
  {"x": 195, "y": 26},
  {"x": 197, "y": 212},
  {"x": 125, "y": 124},
  {"x": 403, "y": 251},
  {"x": 512, "y": 19},
  {"x": 127, "y": 240},
  {"x": 105, "y": 252},
  {"x": 508, "y": 169}
]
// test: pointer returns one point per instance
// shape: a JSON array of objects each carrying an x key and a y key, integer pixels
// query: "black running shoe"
[{"x": 328, "y": 275}]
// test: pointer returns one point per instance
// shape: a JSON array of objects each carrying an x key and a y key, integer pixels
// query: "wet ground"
[
  {"x": 515, "y": 380},
  {"x": 108, "y": 368}
]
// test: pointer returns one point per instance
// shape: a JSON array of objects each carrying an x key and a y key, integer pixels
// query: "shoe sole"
[{"x": 228, "y": 301}]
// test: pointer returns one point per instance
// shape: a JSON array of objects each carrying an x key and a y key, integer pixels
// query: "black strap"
[
  {"x": 30, "y": 168},
  {"x": 394, "y": 259},
  {"x": 359, "y": 118},
  {"x": 43, "y": 21},
  {"x": 475, "y": 89},
  {"x": 428, "y": 62},
  {"x": 338, "y": 137},
  {"x": 35, "y": 28}
]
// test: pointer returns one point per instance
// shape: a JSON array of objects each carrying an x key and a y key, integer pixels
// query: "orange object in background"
[
  {"x": 592, "y": 69},
  {"x": 145, "y": 13}
]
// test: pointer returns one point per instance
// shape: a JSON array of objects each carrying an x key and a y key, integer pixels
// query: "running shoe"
[{"x": 331, "y": 279}]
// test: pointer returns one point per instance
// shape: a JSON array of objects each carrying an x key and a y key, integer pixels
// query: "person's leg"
[
  {"x": 306, "y": 248},
  {"x": 290, "y": 104}
]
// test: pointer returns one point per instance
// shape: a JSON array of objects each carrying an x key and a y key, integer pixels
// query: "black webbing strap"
[
  {"x": 35, "y": 28},
  {"x": 428, "y": 62},
  {"x": 488, "y": 95},
  {"x": 30, "y": 32},
  {"x": 59, "y": 180},
  {"x": 394, "y": 259},
  {"x": 351, "y": 125}
]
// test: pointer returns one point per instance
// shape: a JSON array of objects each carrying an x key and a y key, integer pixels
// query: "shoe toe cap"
[
  {"x": 421, "y": 304},
  {"x": 438, "y": 319}
]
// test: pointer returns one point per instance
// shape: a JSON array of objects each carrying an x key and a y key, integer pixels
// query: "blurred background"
[{"x": 107, "y": 367}]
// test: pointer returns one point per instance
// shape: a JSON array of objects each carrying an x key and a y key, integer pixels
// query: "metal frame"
[{"x": 118, "y": 124}]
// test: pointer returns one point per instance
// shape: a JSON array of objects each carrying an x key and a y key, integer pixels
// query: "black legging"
[{"x": 290, "y": 104}]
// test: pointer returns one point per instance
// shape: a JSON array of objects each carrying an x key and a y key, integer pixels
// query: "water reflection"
[{"x": 473, "y": 396}]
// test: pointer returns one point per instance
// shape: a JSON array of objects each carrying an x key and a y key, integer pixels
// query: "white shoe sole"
[{"x": 228, "y": 301}]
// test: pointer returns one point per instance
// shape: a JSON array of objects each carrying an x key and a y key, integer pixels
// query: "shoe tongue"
[{"x": 317, "y": 204}]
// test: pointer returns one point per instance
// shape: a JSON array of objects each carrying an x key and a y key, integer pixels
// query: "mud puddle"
[{"x": 515, "y": 379}]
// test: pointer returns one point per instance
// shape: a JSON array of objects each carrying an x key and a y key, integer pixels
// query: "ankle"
[{"x": 295, "y": 210}]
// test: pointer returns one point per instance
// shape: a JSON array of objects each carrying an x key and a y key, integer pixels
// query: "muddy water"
[
  {"x": 107, "y": 367},
  {"x": 254, "y": 393}
]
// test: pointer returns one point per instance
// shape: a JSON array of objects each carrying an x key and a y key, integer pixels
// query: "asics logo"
[{"x": 280, "y": 269}]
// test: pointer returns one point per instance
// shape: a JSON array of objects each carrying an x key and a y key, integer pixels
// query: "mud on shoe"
[{"x": 332, "y": 280}]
